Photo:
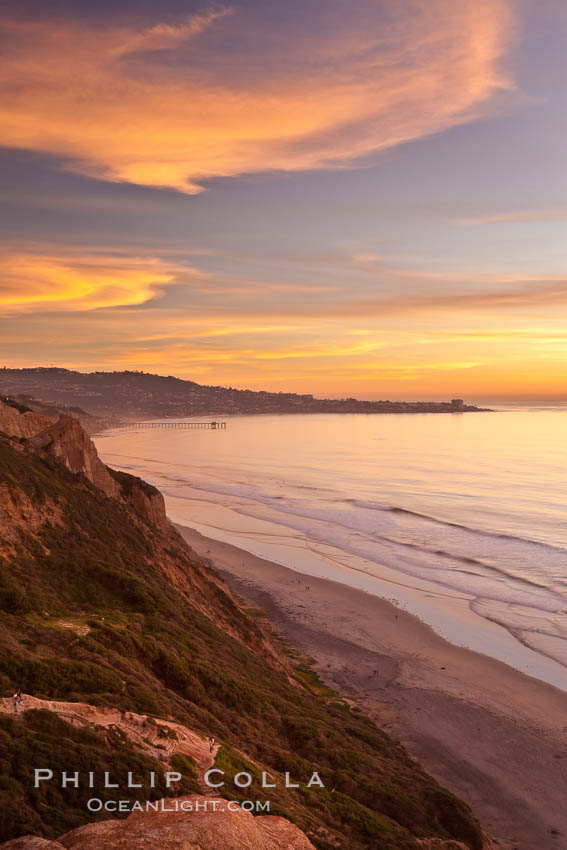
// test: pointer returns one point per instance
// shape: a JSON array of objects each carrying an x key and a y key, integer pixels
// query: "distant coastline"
[{"x": 118, "y": 397}]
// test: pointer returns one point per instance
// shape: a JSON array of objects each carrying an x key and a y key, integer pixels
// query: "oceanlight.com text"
[{"x": 182, "y": 805}]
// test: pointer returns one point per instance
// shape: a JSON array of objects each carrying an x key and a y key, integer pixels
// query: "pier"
[{"x": 187, "y": 426}]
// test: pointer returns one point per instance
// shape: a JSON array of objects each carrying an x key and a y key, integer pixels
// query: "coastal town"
[{"x": 115, "y": 397}]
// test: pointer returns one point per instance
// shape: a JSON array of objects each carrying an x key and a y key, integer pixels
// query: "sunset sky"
[{"x": 363, "y": 198}]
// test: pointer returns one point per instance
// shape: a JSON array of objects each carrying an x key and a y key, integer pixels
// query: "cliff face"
[
  {"x": 146, "y": 500},
  {"x": 20, "y": 422},
  {"x": 68, "y": 442},
  {"x": 101, "y": 608},
  {"x": 150, "y": 505}
]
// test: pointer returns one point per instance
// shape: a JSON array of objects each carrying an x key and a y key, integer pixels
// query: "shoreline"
[
  {"x": 491, "y": 734},
  {"x": 442, "y": 545},
  {"x": 449, "y": 612}
]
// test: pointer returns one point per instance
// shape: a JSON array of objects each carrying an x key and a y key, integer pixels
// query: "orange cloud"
[
  {"x": 350, "y": 86},
  {"x": 472, "y": 354},
  {"x": 88, "y": 308},
  {"x": 42, "y": 281},
  {"x": 30, "y": 282}
]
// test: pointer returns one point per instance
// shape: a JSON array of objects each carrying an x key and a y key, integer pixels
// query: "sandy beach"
[{"x": 494, "y": 736}]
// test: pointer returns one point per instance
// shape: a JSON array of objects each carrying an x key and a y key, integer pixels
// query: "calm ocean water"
[{"x": 460, "y": 518}]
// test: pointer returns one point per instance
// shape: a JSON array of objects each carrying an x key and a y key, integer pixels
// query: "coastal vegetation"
[{"x": 97, "y": 605}]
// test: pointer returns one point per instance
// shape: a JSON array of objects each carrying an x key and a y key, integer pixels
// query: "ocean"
[{"x": 459, "y": 518}]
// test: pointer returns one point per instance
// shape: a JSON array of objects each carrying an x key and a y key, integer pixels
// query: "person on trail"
[
  {"x": 211, "y": 744},
  {"x": 18, "y": 697}
]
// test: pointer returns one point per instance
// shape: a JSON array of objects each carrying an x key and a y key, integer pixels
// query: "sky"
[{"x": 363, "y": 198}]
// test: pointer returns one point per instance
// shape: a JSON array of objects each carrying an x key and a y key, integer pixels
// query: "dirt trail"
[{"x": 159, "y": 739}]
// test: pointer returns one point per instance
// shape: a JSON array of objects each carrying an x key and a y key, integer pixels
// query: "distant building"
[{"x": 457, "y": 404}]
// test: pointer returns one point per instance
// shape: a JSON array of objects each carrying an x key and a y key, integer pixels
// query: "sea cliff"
[{"x": 103, "y": 605}]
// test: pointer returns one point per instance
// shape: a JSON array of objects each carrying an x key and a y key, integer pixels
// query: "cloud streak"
[
  {"x": 43, "y": 281},
  {"x": 46, "y": 282},
  {"x": 518, "y": 217},
  {"x": 110, "y": 100},
  {"x": 545, "y": 294}
]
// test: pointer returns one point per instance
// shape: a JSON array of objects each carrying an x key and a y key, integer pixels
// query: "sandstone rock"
[
  {"x": 144, "y": 498},
  {"x": 190, "y": 830},
  {"x": 17, "y": 424},
  {"x": 68, "y": 442},
  {"x": 150, "y": 505},
  {"x": 31, "y": 842}
]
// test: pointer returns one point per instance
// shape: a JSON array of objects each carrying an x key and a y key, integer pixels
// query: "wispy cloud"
[
  {"x": 47, "y": 281},
  {"x": 517, "y": 216},
  {"x": 108, "y": 100},
  {"x": 542, "y": 294},
  {"x": 164, "y": 36},
  {"x": 66, "y": 282}
]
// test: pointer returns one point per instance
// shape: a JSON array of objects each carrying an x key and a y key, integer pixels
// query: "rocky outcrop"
[
  {"x": 145, "y": 499},
  {"x": 67, "y": 441},
  {"x": 91, "y": 424},
  {"x": 16, "y": 421},
  {"x": 208, "y": 824},
  {"x": 204, "y": 829},
  {"x": 150, "y": 505}
]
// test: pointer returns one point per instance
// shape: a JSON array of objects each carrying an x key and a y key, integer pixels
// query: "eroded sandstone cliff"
[
  {"x": 18, "y": 421},
  {"x": 68, "y": 442},
  {"x": 102, "y": 604}
]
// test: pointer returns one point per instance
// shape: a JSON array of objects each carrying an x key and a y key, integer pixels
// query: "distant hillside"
[
  {"x": 102, "y": 603},
  {"x": 140, "y": 395}
]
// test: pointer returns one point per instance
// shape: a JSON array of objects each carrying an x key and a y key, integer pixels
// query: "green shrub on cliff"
[
  {"x": 163, "y": 637},
  {"x": 39, "y": 739}
]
